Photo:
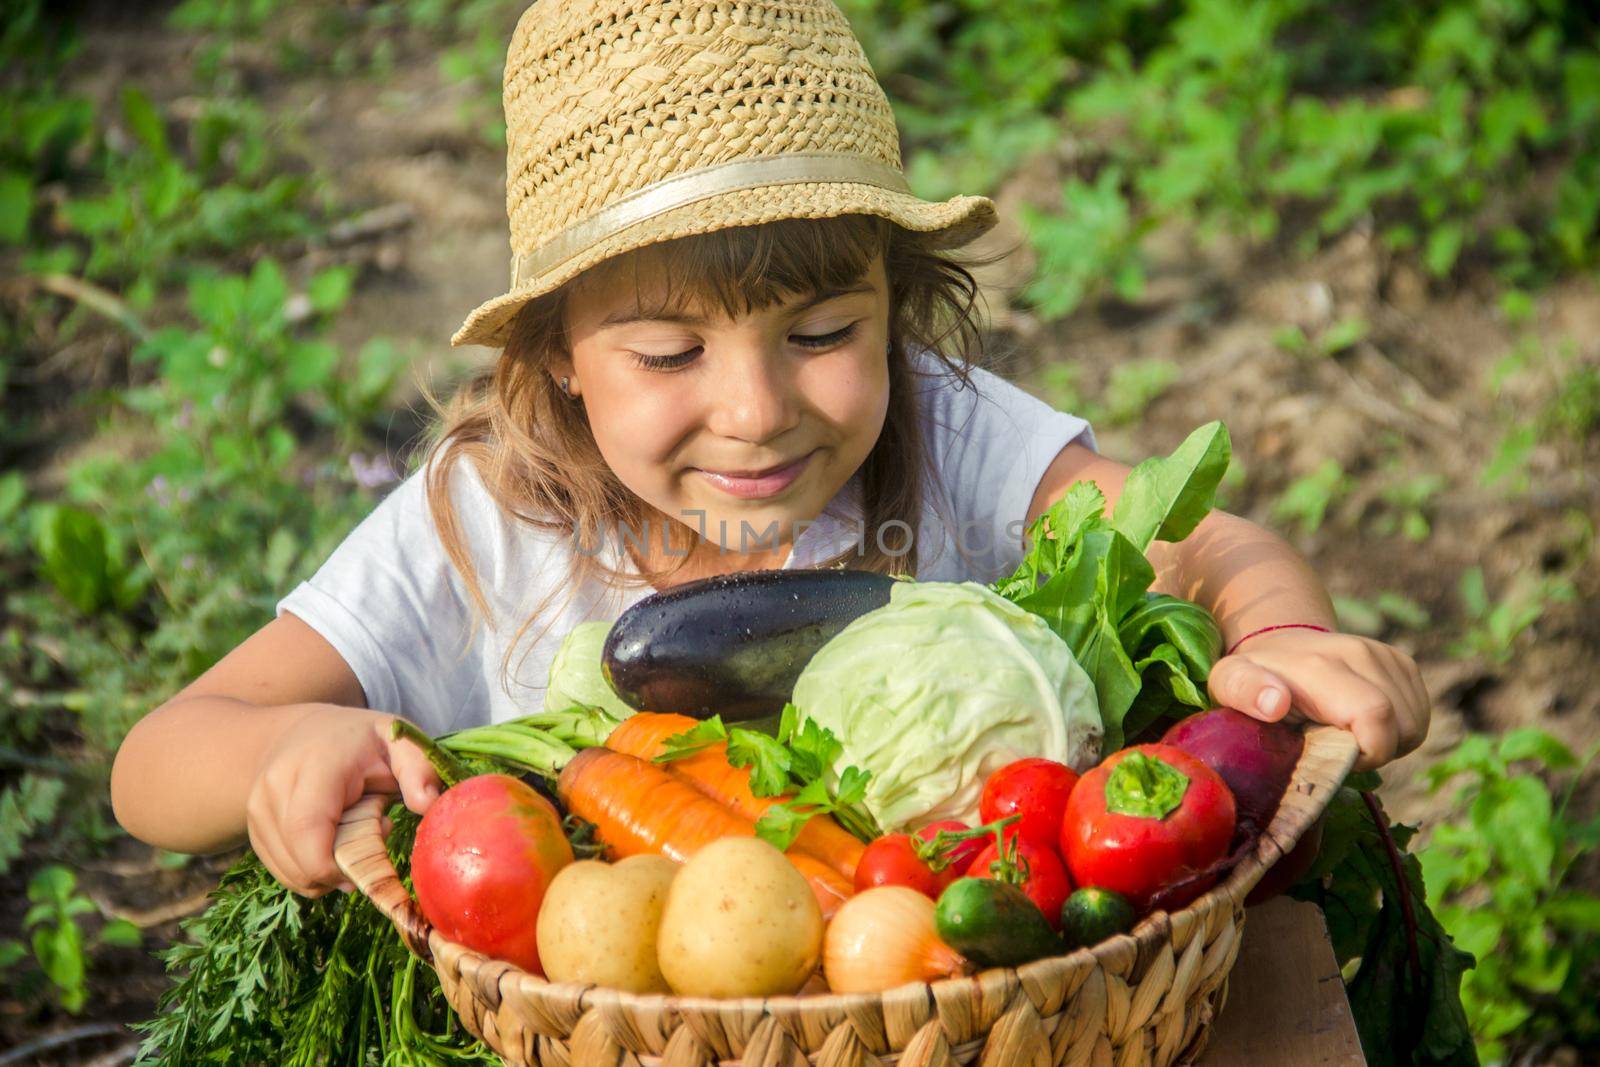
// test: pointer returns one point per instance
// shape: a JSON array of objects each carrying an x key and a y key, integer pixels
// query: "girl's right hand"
[{"x": 312, "y": 773}]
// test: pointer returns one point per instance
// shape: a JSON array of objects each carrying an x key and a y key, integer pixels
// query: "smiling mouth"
[{"x": 767, "y": 481}]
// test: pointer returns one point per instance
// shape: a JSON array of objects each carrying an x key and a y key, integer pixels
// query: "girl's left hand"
[{"x": 1371, "y": 689}]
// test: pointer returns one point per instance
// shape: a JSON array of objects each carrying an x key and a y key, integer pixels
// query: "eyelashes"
[{"x": 824, "y": 340}]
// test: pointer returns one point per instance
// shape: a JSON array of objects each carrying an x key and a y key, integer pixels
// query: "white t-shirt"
[{"x": 391, "y": 603}]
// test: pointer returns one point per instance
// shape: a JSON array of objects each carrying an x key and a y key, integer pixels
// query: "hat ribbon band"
[{"x": 700, "y": 184}]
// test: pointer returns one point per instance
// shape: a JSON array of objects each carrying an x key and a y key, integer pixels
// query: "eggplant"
[{"x": 734, "y": 644}]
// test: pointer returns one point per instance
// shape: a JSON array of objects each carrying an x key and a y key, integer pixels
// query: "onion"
[{"x": 882, "y": 938}]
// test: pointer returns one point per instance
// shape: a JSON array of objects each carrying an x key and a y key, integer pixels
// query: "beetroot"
[{"x": 1255, "y": 758}]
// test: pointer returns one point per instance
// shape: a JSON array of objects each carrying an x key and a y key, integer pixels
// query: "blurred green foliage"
[
  {"x": 1257, "y": 119},
  {"x": 1499, "y": 875},
  {"x": 60, "y": 947}
]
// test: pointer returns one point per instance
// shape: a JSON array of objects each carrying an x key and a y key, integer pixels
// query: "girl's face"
[{"x": 737, "y": 428}]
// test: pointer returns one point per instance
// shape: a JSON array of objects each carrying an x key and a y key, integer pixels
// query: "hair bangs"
[{"x": 741, "y": 269}]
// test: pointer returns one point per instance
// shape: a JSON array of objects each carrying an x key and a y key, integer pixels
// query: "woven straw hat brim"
[{"x": 961, "y": 218}]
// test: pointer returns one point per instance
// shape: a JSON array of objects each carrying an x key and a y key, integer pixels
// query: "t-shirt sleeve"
[
  {"x": 991, "y": 443},
  {"x": 388, "y": 599}
]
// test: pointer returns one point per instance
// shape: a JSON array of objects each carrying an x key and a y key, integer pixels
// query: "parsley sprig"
[{"x": 797, "y": 763}]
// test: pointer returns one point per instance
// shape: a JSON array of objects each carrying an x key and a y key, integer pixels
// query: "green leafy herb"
[
  {"x": 267, "y": 976},
  {"x": 694, "y": 740},
  {"x": 1148, "y": 654},
  {"x": 798, "y": 761}
]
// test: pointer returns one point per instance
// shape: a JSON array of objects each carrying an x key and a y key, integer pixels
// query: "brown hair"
[{"x": 532, "y": 447}]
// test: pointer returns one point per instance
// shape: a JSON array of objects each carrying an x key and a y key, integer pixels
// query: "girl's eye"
[
  {"x": 824, "y": 340},
  {"x": 665, "y": 362}
]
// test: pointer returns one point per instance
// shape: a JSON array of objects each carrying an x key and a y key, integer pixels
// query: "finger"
[
  {"x": 320, "y": 797},
  {"x": 1239, "y": 682},
  {"x": 1408, "y": 713},
  {"x": 418, "y": 782},
  {"x": 267, "y": 840},
  {"x": 1372, "y": 720},
  {"x": 265, "y": 846},
  {"x": 1329, "y": 691},
  {"x": 1423, "y": 706}
]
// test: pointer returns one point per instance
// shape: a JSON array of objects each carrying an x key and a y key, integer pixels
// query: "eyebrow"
[{"x": 623, "y": 318}]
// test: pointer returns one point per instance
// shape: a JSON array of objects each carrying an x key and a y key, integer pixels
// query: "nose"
[{"x": 755, "y": 399}]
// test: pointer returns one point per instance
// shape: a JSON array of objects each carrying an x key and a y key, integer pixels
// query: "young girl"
[{"x": 733, "y": 340}]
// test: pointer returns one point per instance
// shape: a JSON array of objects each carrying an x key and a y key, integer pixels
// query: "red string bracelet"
[{"x": 1280, "y": 626}]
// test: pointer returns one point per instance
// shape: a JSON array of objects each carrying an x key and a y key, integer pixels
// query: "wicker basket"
[{"x": 1143, "y": 999}]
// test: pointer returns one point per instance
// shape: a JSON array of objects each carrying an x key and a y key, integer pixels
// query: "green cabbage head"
[
  {"x": 575, "y": 674},
  {"x": 939, "y": 688}
]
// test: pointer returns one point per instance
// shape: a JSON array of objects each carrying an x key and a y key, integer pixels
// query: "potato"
[
  {"x": 740, "y": 921},
  {"x": 599, "y": 922}
]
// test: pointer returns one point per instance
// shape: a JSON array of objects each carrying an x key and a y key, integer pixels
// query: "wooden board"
[{"x": 1286, "y": 1004}]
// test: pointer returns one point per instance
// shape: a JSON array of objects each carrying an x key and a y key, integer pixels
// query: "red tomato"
[
  {"x": 892, "y": 860},
  {"x": 484, "y": 855},
  {"x": 962, "y": 853},
  {"x": 1037, "y": 789},
  {"x": 1047, "y": 883},
  {"x": 1149, "y": 830}
]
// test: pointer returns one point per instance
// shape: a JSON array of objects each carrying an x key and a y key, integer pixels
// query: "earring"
[{"x": 566, "y": 386}]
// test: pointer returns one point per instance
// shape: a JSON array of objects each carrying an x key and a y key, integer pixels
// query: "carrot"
[
  {"x": 645, "y": 735},
  {"x": 638, "y": 807}
]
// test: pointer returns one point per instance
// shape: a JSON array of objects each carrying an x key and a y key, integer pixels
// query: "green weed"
[
  {"x": 1131, "y": 388},
  {"x": 1372, "y": 617},
  {"x": 1492, "y": 627},
  {"x": 1307, "y": 499},
  {"x": 1234, "y": 116},
  {"x": 1407, "y": 497},
  {"x": 59, "y": 946},
  {"x": 1499, "y": 876}
]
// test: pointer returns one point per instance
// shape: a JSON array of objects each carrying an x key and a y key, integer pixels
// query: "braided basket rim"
[{"x": 360, "y": 852}]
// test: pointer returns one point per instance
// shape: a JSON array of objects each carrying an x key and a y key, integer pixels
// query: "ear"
[{"x": 559, "y": 368}]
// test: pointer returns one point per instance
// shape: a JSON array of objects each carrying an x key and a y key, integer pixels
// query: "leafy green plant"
[
  {"x": 266, "y": 976},
  {"x": 1500, "y": 877},
  {"x": 1306, "y": 500},
  {"x": 1407, "y": 497},
  {"x": 1133, "y": 386},
  {"x": 1129, "y": 390},
  {"x": 1148, "y": 653},
  {"x": 1337, "y": 338},
  {"x": 1493, "y": 627},
  {"x": 1235, "y": 117},
  {"x": 180, "y": 551},
  {"x": 26, "y": 807},
  {"x": 58, "y": 941},
  {"x": 156, "y": 211},
  {"x": 1508, "y": 467},
  {"x": 481, "y": 29},
  {"x": 86, "y": 560},
  {"x": 1402, "y": 969},
  {"x": 1372, "y": 617}
]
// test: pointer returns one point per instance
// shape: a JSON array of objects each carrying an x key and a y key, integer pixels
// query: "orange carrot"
[
  {"x": 638, "y": 807},
  {"x": 645, "y": 735}
]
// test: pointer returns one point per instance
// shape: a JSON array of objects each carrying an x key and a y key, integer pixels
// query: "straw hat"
[{"x": 629, "y": 123}]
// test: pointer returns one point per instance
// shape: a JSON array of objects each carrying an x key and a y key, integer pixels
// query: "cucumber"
[
  {"x": 1090, "y": 915},
  {"x": 993, "y": 924},
  {"x": 733, "y": 645}
]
